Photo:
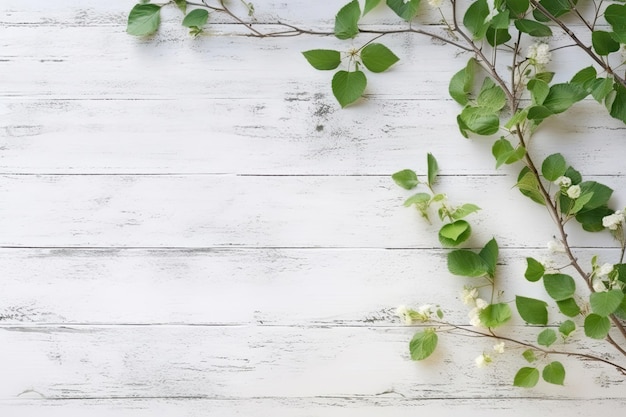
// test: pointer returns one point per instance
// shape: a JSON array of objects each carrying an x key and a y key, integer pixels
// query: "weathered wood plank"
[
  {"x": 265, "y": 361},
  {"x": 343, "y": 287},
  {"x": 228, "y": 210}
]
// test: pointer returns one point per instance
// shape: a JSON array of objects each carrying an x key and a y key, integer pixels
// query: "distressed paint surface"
[{"x": 192, "y": 227}]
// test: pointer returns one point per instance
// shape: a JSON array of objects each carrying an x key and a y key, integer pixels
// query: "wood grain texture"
[{"x": 193, "y": 227}]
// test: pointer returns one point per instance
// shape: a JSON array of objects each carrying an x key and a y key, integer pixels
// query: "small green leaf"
[
  {"x": 196, "y": 18},
  {"x": 144, "y": 19},
  {"x": 348, "y": 87},
  {"x": 347, "y": 20},
  {"x": 526, "y": 377},
  {"x": 464, "y": 210},
  {"x": 504, "y": 152},
  {"x": 407, "y": 10},
  {"x": 529, "y": 355},
  {"x": 555, "y": 7},
  {"x": 554, "y": 373},
  {"x": 517, "y": 118},
  {"x": 568, "y": 307},
  {"x": 603, "y": 43},
  {"x": 528, "y": 186},
  {"x": 406, "y": 179},
  {"x": 369, "y": 6},
  {"x": 466, "y": 263},
  {"x": 461, "y": 83},
  {"x": 567, "y": 327},
  {"x": 553, "y": 167},
  {"x": 479, "y": 121},
  {"x": 547, "y": 337},
  {"x": 323, "y": 59},
  {"x": 539, "y": 113},
  {"x": 453, "y": 234},
  {"x": 419, "y": 199},
  {"x": 495, "y": 315},
  {"x": 423, "y": 344},
  {"x": 182, "y": 5},
  {"x": 596, "y": 326},
  {"x": 562, "y": 96},
  {"x": 538, "y": 90},
  {"x": 533, "y": 28},
  {"x": 377, "y": 57},
  {"x": 580, "y": 202},
  {"x": 533, "y": 311},
  {"x": 534, "y": 270},
  {"x": 606, "y": 302},
  {"x": 489, "y": 253},
  {"x": 433, "y": 169},
  {"x": 474, "y": 18},
  {"x": 491, "y": 98},
  {"x": 545, "y": 76},
  {"x": 559, "y": 286}
]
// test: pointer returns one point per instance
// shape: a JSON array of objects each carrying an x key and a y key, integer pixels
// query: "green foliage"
[
  {"x": 462, "y": 82},
  {"x": 495, "y": 315},
  {"x": 453, "y": 234},
  {"x": 423, "y": 344},
  {"x": 615, "y": 15},
  {"x": 369, "y": 6},
  {"x": 533, "y": 28},
  {"x": 504, "y": 152},
  {"x": 556, "y": 8},
  {"x": 517, "y": 7},
  {"x": 606, "y": 302},
  {"x": 433, "y": 169},
  {"x": 568, "y": 307},
  {"x": 559, "y": 286},
  {"x": 348, "y": 87},
  {"x": 603, "y": 42},
  {"x": 489, "y": 254},
  {"x": 480, "y": 121},
  {"x": 554, "y": 373},
  {"x": 144, "y": 19},
  {"x": 529, "y": 355},
  {"x": 466, "y": 263},
  {"x": 547, "y": 337},
  {"x": 406, "y": 179},
  {"x": 567, "y": 327},
  {"x": 533, "y": 311},
  {"x": 596, "y": 326},
  {"x": 347, "y": 20},
  {"x": 464, "y": 210},
  {"x": 617, "y": 103},
  {"x": 474, "y": 18},
  {"x": 377, "y": 57},
  {"x": 553, "y": 167},
  {"x": 195, "y": 19},
  {"x": 526, "y": 377},
  {"x": 406, "y": 10},
  {"x": 182, "y": 5},
  {"x": 529, "y": 186},
  {"x": 323, "y": 59},
  {"x": 563, "y": 96},
  {"x": 534, "y": 270}
]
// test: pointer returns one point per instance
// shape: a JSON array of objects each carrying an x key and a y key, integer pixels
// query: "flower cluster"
[
  {"x": 565, "y": 183},
  {"x": 409, "y": 316},
  {"x": 613, "y": 221},
  {"x": 539, "y": 54},
  {"x": 470, "y": 298},
  {"x": 485, "y": 359}
]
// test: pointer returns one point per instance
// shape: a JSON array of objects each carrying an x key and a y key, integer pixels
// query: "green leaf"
[
  {"x": 369, "y": 6},
  {"x": 196, "y": 18},
  {"x": 348, "y": 87},
  {"x": 546, "y": 76},
  {"x": 562, "y": 96},
  {"x": 615, "y": 14},
  {"x": 603, "y": 43},
  {"x": 533, "y": 311},
  {"x": 182, "y": 5},
  {"x": 596, "y": 326},
  {"x": 406, "y": 179},
  {"x": 479, "y": 121},
  {"x": 433, "y": 169},
  {"x": 528, "y": 186},
  {"x": 559, "y": 286},
  {"x": 461, "y": 83},
  {"x": 504, "y": 153},
  {"x": 144, "y": 19},
  {"x": 538, "y": 90},
  {"x": 530, "y": 357},
  {"x": 533, "y": 28},
  {"x": 618, "y": 105},
  {"x": 500, "y": 21},
  {"x": 547, "y": 337},
  {"x": 323, "y": 59},
  {"x": 553, "y": 167},
  {"x": 464, "y": 210},
  {"x": 555, "y": 7},
  {"x": 573, "y": 175},
  {"x": 377, "y": 57},
  {"x": 491, "y": 97},
  {"x": 591, "y": 220},
  {"x": 474, "y": 18},
  {"x": 534, "y": 270},
  {"x": 554, "y": 373},
  {"x": 567, "y": 327},
  {"x": 497, "y": 37},
  {"x": 518, "y": 7},
  {"x": 419, "y": 199},
  {"x": 466, "y": 263},
  {"x": 606, "y": 302},
  {"x": 601, "y": 88},
  {"x": 526, "y": 377},
  {"x": 406, "y": 10},
  {"x": 517, "y": 118},
  {"x": 621, "y": 310},
  {"x": 539, "y": 113},
  {"x": 495, "y": 315},
  {"x": 423, "y": 344},
  {"x": 489, "y": 253},
  {"x": 585, "y": 77},
  {"x": 568, "y": 307},
  {"x": 601, "y": 194},
  {"x": 347, "y": 20},
  {"x": 453, "y": 234},
  {"x": 580, "y": 202}
]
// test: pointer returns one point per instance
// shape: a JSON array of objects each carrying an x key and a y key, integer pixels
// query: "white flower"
[
  {"x": 613, "y": 221},
  {"x": 499, "y": 347},
  {"x": 404, "y": 314},
  {"x": 604, "y": 270},
  {"x": 555, "y": 246},
  {"x": 598, "y": 285},
  {"x": 539, "y": 53},
  {"x": 548, "y": 265},
  {"x": 435, "y": 3},
  {"x": 469, "y": 296},
  {"x": 407, "y": 1},
  {"x": 482, "y": 360},
  {"x": 563, "y": 181},
  {"x": 474, "y": 317},
  {"x": 573, "y": 192},
  {"x": 481, "y": 304}
]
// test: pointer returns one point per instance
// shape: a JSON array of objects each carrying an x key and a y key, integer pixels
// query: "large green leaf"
[
  {"x": 196, "y": 18},
  {"x": 554, "y": 373},
  {"x": 606, "y": 302},
  {"x": 534, "y": 270},
  {"x": 567, "y": 327},
  {"x": 596, "y": 326},
  {"x": 591, "y": 220},
  {"x": 491, "y": 97},
  {"x": 526, "y": 377},
  {"x": 461, "y": 83},
  {"x": 348, "y": 87},
  {"x": 347, "y": 20},
  {"x": 533, "y": 28},
  {"x": 518, "y": 7},
  {"x": 603, "y": 43},
  {"x": 323, "y": 59},
  {"x": 377, "y": 57},
  {"x": 618, "y": 104},
  {"x": 538, "y": 90},
  {"x": 467, "y": 263},
  {"x": 464, "y": 210},
  {"x": 562, "y": 96},
  {"x": 144, "y": 19},
  {"x": 406, "y": 10},
  {"x": 546, "y": 338},
  {"x": 533, "y": 311},
  {"x": 555, "y": 7},
  {"x": 423, "y": 344},
  {"x": 479, "y": 121},
  {"x": 601, "y": 194},
  {"x": 495, "y": 315},
  {"x": 553, "y": 167},
  {"x": 528, "y": 186},
  {"x": 474, "y": 18},
  {"x": 369, "y": 6},
  {"x": 453, "y": 234},
  {"x": 504, "y": 152},
  {"x": 406, "y": 179},
  {"x": 615, "y": 14},
  {"x": 559, "y": 286},
  {"x": 568, "y": 307},
  {"x": 433, "y": 168}
]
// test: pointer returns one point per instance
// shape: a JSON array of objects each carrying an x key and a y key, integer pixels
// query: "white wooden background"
[{"x": 192, "y": 227}]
